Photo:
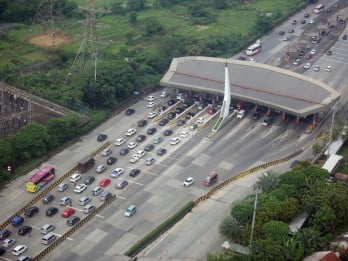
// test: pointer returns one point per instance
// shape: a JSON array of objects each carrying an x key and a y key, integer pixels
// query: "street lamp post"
[
  {"x": 334, "y": 108},
  {"x": 257, "y": 191}
]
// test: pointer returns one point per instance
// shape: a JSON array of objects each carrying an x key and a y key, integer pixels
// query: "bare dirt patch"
[
  {"x": 50, "y": 40},
  {"x": 202, "y": 27}
]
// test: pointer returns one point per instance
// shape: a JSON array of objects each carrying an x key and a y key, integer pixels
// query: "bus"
[
  {"x": 319, "y": 8},
  {"x": 254, "y": 48},
  {"x": 40, "y": 179}
]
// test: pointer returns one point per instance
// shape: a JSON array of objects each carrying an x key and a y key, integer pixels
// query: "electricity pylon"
[
  {"x": 48, "y": 14},
  {"x": 88, "y": 50}
]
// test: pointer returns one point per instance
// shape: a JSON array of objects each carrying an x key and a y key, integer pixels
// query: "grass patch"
[{"x": 96, "y": 117}]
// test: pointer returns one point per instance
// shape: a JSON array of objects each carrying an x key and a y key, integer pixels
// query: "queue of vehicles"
[{"x": 81, "y": 183}]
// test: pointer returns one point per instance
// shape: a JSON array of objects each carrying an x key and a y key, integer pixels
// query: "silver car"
[{"x": 8, "y": 242}]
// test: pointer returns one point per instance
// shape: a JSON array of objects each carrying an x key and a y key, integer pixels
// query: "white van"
[
  {"x": 46, "y": 228},
  {"x": 48, "y": 238}
]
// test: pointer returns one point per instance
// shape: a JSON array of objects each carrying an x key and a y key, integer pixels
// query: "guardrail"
[
  {"x": 49, "y": 188},
  {"x": 73, "y": 229},
  {"x": 245, "y": 173}
]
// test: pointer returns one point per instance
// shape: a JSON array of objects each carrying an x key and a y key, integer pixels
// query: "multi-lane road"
[{"x": 158, "y": 190}]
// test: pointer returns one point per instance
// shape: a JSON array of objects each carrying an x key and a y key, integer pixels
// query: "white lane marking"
[
  {"x": 153, "y": 174},
  {"x": 121, "y": 197},
  {"x": 137, "y": 183}
]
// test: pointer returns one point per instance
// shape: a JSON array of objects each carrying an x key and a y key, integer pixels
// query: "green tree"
[
  {"x": 136, "y": 5},
  {"x": 7, "y": 154},
  {"x": 270, "y": 208},
  {"x": 310, "y": 240},
  {"x": 152, "y": 26},
  {"x": 294, "y": 178},
  {"x": 275, "y": 230},
  {"x": 268, "y": 180},
  {"x": 133, "y": 16},
  {"x": 243, "y": 211},
  {"x": 31, "y": 141},
  {"x": 220, "y": 4},
  {"x": 231, "y": 228},
  {"x": 290, "y": 209},
  {"x": 293, "y": 249},
  {"x": 284, "y": 191},
  {"x": 324, "y": 219},
  {"x": 266, "y": 250}
]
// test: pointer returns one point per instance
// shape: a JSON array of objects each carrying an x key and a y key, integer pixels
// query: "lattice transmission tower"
[
  {"x": 89, "y": 51},
  {"x": 50, "y": 15}
]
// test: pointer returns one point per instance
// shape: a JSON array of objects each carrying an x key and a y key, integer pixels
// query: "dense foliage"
[
  {"x": 25, "y": 11},
  {"x": 134, "y": 66},
  {"x": 34, "y": 141},
  {"x": 303, "y": 189}
]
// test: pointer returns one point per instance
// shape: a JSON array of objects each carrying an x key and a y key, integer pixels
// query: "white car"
[
  {"x": 184, "y": 134},
  {"x": 311, "y": 21},
  {"x": 200, "y": 120},
  {"x": 150, "y": 105},
  {"x": 307, "y": 66},
  {"x": 134, "y": 159},
  {"x": 141, "y": 153},
  {"x": 132, "y": 145},
  {"x": 152, "y": 114},
  {"x": 188, "y": 182},
  {"x": 117, "y": 172},
  {"x": 101, "y": 168},
  {"x": 80, "y": 188},
  {"x": 313, "y": 52},
  {"x": 119, "y": 142},
  {"x": 316, "y": 68},
  {"x": 19, "y": 249},
  {"x": 241, "y": 114},
  {"x": 131, "y": 132},
  {"x": 296, "y": 62},
  {"x": 164, "y": 94},
  {"x": 328, "y": 68},
  {"x": 150, "y": 98},
  {"x": 8, "y": 242},
  {"x": 75, "y": 177},
  {"x": 106, "y": 152},
  {"x": 174, "y": 141}
]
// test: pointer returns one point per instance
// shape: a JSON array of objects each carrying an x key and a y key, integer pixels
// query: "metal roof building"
[{"x": 258, "y": 83}]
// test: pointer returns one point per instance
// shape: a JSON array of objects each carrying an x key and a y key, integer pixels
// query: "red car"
[
  {"x": 211, "y": 179},
  {"x": 104, "y": 182},
  {"x": 68, "y": 212}
]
